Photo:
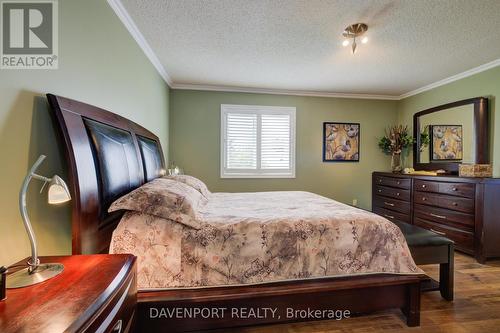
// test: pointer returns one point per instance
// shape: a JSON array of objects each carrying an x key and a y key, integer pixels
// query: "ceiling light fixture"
[{"x": 352, "y": 32}]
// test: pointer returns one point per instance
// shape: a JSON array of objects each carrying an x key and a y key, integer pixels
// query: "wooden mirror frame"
[{"x": 481, "y": 135}]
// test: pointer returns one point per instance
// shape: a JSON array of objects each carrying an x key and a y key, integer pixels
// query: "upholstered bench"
[{"x": 428, "y": 247}]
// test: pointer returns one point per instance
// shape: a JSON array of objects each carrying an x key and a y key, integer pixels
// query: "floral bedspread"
[{"x": 249, "y": 238}]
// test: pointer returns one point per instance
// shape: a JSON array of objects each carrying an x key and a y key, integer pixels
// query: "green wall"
[
  {"x": 195, "y": 142},
  {"x": 485, "y": 84},
  {"x": 100, "y": 64}
]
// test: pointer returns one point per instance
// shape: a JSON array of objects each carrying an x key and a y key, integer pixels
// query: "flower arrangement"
[
  {"x": 396, "y": 139},
  {"x": 396, "y": 142}
]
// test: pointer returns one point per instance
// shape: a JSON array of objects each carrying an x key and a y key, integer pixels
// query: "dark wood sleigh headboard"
[{"x": 108, "y": 156}]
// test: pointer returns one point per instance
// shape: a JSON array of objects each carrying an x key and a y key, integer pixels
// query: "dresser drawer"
[
  {"x": 464, "y": 205},
  {"x": 463, "y": 240},
  {"x": 395, "y": 193},
  {"x": 425, "y": 186},
  {"x": 445, "y": 216},
  {"x": 391, "y": 215},
  {"x": 456, "y": 189},
  {"x": 392, "y": 204},
  {"x": 118, "y": 315},
  {"x": 403, "y": 183},
  {"x": 426, "y": 198}
]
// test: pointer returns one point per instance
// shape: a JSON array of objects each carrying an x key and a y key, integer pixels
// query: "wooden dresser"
[
  {"x": 94, "y": 293},
  {"x": 466, "y": 210}
]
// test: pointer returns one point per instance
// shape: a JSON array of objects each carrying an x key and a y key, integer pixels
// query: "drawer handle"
[
  {"x": 438, "y": 216},
  {"x": 399, "y": 183},
  {"x": 439, "y": 232},
  {"x": 389, "y": 216},
  {"x": 118, "y": 327},
  {"x": 389, "y": 204},
  {"x": 424, "y": 198},
  {"x": 398, "y": 194},
  {"x": 424, "y": 186},
  {"x": 455, "y": 189},
  {"x": 379, "y": 191},
  {"x": 454, "y": 204},
  {"x": 380, "y": 180}
]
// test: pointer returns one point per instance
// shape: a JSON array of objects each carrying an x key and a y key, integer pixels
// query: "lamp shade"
[{"x": 58, "y": 191}]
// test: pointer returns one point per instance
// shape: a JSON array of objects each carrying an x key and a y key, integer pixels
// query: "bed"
[
  {"x": 110, "y": 157},
  {"x": 254, "y": 238}
]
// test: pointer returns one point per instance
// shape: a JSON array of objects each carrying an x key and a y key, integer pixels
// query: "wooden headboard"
[{"x": 108, "y": 156}]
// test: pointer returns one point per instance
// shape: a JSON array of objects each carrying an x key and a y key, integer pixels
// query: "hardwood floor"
[{"x": 476, "y": 308}]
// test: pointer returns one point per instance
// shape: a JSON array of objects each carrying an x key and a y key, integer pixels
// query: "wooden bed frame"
[{"x": 97, "y": 145}]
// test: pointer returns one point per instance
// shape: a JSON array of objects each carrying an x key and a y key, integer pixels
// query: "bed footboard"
[{"x": 224, "y": 307}]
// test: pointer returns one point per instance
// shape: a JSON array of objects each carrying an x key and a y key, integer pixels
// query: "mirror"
[{"x": 451, "y": 134}]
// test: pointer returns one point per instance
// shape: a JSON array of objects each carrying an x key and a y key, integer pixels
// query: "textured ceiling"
[{"x": 296, "y": 45}]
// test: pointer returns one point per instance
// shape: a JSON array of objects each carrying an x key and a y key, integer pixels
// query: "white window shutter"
[
  {"x": 257, "y": 141},
  {"x": 241, "y": 141},
  {"x": 275, "y": 141}
]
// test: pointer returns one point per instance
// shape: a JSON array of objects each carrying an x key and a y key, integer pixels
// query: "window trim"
[{"x": 257, "y": 109}]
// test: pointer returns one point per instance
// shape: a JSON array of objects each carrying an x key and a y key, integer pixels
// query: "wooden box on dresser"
[
  {"x": 94, "y": 293},
  {"x": 466, "y": 210}
]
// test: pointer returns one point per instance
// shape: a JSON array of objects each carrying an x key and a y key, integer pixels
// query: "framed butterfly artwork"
[{"x": 341, "y": 142}]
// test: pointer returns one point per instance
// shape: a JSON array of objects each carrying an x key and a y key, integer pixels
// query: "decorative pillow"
[
  {"x": 193, "y": 182},
  {"x": 164, "y": 198}
]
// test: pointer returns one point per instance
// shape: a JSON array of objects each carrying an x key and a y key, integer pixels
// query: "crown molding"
[
  {"x": 439, "y": 83},
  {"x": 453, "y": 78},
  {"x": 132, "y": 28},
  {"x": 202, "y": 87}
]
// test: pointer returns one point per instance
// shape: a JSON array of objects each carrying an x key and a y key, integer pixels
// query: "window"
[{"x": 257, "y": 141}]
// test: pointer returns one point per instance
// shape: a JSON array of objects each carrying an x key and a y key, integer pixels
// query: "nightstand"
[{"x": 94, "y": 293}]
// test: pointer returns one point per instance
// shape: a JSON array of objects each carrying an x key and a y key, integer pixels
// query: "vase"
[{"x": 396, "y": 163}]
